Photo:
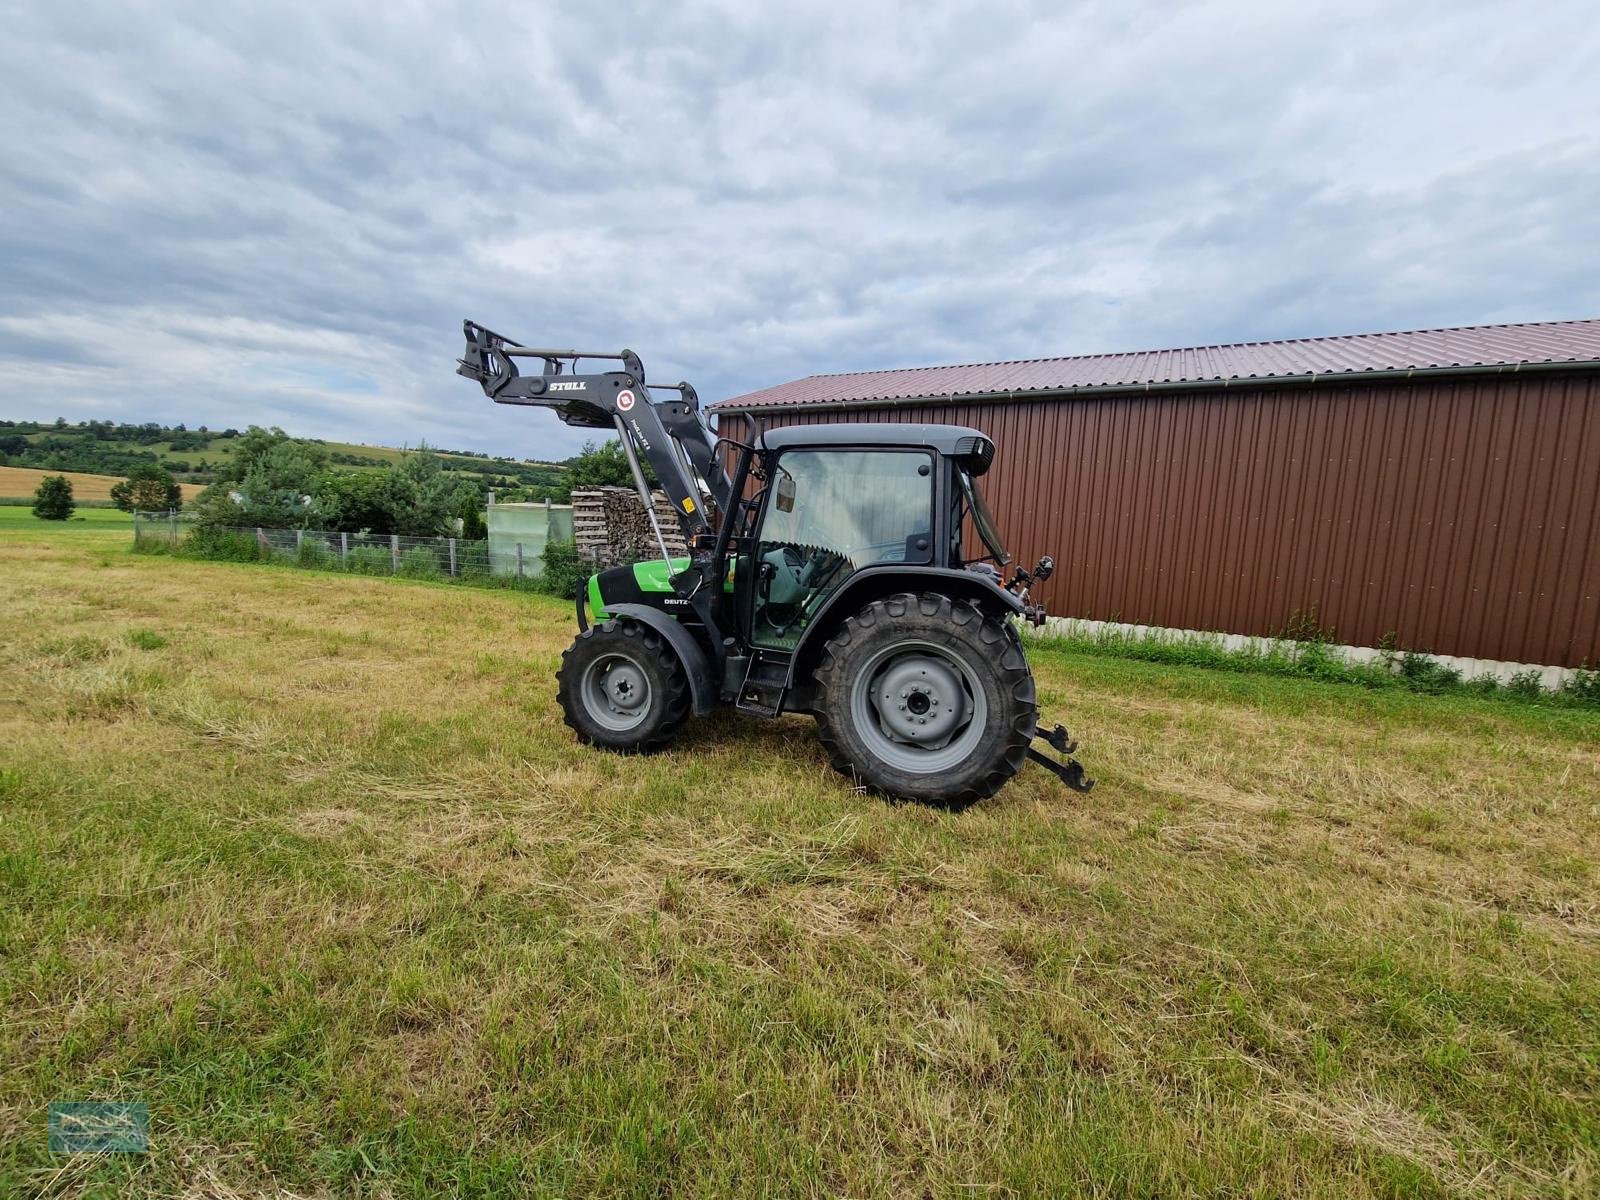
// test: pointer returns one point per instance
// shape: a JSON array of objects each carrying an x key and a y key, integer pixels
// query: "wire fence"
[{"x": 359, "y": 553}]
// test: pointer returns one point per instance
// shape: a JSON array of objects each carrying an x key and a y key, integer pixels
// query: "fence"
[{"x": 359, "y": 553}]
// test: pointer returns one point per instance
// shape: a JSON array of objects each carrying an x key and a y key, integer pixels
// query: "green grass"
[
  {"x": 309, "y": 863},
  {"x": 15, "y": 517},
  {"x": 1319, "y": 660}
]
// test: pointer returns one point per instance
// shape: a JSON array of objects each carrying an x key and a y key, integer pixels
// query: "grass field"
[
  {"x": 24, "y": 481},
  {"x": 19, "y": 518},
  {"x": 309, "y": 864}
]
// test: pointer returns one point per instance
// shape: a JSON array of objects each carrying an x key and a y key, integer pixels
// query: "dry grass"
[
  {"x": 309, "y": 864},
  {"x": 24, "y": 481}
]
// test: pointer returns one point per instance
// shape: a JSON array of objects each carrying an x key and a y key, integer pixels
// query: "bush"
[
  {"x": 314, "y": 553},
  {"x": 153, "y": 543},
  {"x": 224, "y": 545},
  {"x": 1583, "y": 688},
  {"x": 1423, "y": 674},
  {"x": 1527, "y": 684},
  {"x": 420, "y": 562},
  {"x": 563, "y": 569},
  {"x": 370, "y": 560},
  {"x": 53, "y": 499}
]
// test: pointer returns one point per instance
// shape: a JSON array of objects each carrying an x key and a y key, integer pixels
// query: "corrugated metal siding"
[{"x": 1460, "y": 517}]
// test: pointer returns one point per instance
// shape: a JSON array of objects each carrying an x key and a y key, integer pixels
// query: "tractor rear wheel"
[
  {"x": 926, "y": 698},
  {"x": 622, "y": 688}
]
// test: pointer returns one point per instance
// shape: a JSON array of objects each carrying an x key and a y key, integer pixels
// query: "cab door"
[{"x": 829, "y": 513}]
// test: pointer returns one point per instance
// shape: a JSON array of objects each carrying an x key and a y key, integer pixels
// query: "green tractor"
[{"x": 851, "y": 572}]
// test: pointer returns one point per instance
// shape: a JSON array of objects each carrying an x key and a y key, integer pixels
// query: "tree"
[
  {"x": 275, "y": 461},
  {"x": 148, "y": 488},
  {"x": 436, "y": 497},
  {"x": 273, "y": 476},
  {"x": 350, "y": 501},
  {"x": 603, "y": 466},
  {"x": 53, "y": 500}
]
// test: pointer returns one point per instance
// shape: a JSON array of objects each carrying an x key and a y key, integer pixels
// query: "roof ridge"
[{"x": 1332, "y": 337}]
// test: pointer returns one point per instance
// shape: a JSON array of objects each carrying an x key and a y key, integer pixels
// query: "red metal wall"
[{"x": 1457, "y": 516}]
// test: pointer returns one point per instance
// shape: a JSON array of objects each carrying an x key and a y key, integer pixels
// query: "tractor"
[{"x": 851, "y": 572}]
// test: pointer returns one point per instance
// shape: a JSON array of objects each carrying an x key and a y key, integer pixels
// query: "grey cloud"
[{"x": 268, "y": 214}]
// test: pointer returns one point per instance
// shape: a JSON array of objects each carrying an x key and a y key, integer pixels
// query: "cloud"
[{"x": 261, "y": 214}]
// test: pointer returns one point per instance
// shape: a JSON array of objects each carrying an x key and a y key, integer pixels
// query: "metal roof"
[{"x": 1427, "y": 351}]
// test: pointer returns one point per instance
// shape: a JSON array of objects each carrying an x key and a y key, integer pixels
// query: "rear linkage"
[{"x": 1069, "y": 772}]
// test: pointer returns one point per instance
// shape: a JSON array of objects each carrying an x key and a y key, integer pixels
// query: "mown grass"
[{"x": 308, "y": 863}]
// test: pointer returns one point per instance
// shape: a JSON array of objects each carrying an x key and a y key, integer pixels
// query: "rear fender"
[
  {"x": 696, "y": 664},
  {"x": 874, "y": 583}
]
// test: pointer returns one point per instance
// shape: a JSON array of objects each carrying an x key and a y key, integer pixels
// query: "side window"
[{"x": 830, "y": 513}]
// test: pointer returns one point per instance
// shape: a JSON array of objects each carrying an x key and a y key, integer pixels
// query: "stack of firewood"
[{"x": 611, "y": 528}]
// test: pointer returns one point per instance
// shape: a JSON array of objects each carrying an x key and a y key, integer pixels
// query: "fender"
[
  {"x": 695, "y": 665},
  {"x": 871, "y": 583}
]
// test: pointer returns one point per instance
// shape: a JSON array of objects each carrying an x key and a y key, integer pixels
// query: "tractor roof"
[{"x": 946, "y": 439}]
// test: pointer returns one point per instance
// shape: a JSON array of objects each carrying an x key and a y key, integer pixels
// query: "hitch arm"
[{"x": 1069, "y": 772}]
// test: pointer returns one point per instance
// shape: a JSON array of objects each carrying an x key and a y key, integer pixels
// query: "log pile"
[{"x": 610, "y": 526}]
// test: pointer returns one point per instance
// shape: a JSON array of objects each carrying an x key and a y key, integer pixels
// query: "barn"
[{"x": 1435, "y": 490}]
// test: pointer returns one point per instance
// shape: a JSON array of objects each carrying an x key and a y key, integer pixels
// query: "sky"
[{"x": 279, "y": 215}]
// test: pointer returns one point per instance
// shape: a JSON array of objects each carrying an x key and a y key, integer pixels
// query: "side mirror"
[
  {"x": 1045, "y": 569},
  {"x": 785, "y": 498}
]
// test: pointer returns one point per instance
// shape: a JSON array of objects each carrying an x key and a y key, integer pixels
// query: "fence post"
[
  {"x": 299, "y": 541},
  {"x": 394, "y": 551},
  {"x": 172, "y": 526},
  {"x": 452, "y": 557},
  {"x": 344, "y": 548},
  {"x": 519, "y": 560}
]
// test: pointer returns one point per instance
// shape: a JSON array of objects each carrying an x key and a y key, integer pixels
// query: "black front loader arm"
[{"x": 672, "y": 435}]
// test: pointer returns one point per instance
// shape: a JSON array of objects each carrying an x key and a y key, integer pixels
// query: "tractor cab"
[{"x": 843, "y": 499}]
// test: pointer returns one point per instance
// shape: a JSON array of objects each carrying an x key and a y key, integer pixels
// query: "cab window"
[{"x": 829, "y": 513}]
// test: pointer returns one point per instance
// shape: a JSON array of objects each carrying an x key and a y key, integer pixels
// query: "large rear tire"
[
  {"x": 622, "y": 688},
  {"x": 926, "y": 699}
]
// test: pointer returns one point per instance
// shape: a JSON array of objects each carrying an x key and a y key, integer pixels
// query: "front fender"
[{"x": 696, "y": 666}]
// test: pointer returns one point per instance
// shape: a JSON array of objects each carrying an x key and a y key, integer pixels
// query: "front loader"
[{"x": 851, "y": 572}]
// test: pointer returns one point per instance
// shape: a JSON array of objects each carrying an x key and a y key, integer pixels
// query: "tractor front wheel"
[
  {"x": 622, "y": 688},
  {"x": 926, "y": 698}
]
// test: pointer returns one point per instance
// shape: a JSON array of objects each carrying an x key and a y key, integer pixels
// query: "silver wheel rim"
[
  {"x": 918, "y": 707},
  {"x": 616, "y": 692}
]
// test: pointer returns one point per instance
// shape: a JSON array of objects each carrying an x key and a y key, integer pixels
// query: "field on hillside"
[
  {"x": 24, "y": 481},
  {"x": 219, "y": 450},
  {"x": 309, "y": 864}
]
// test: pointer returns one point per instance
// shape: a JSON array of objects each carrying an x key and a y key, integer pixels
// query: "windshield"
[{"x": 983, "y": 518}]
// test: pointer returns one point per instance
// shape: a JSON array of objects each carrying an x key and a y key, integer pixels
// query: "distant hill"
[{"x": 195, "y": 455}]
